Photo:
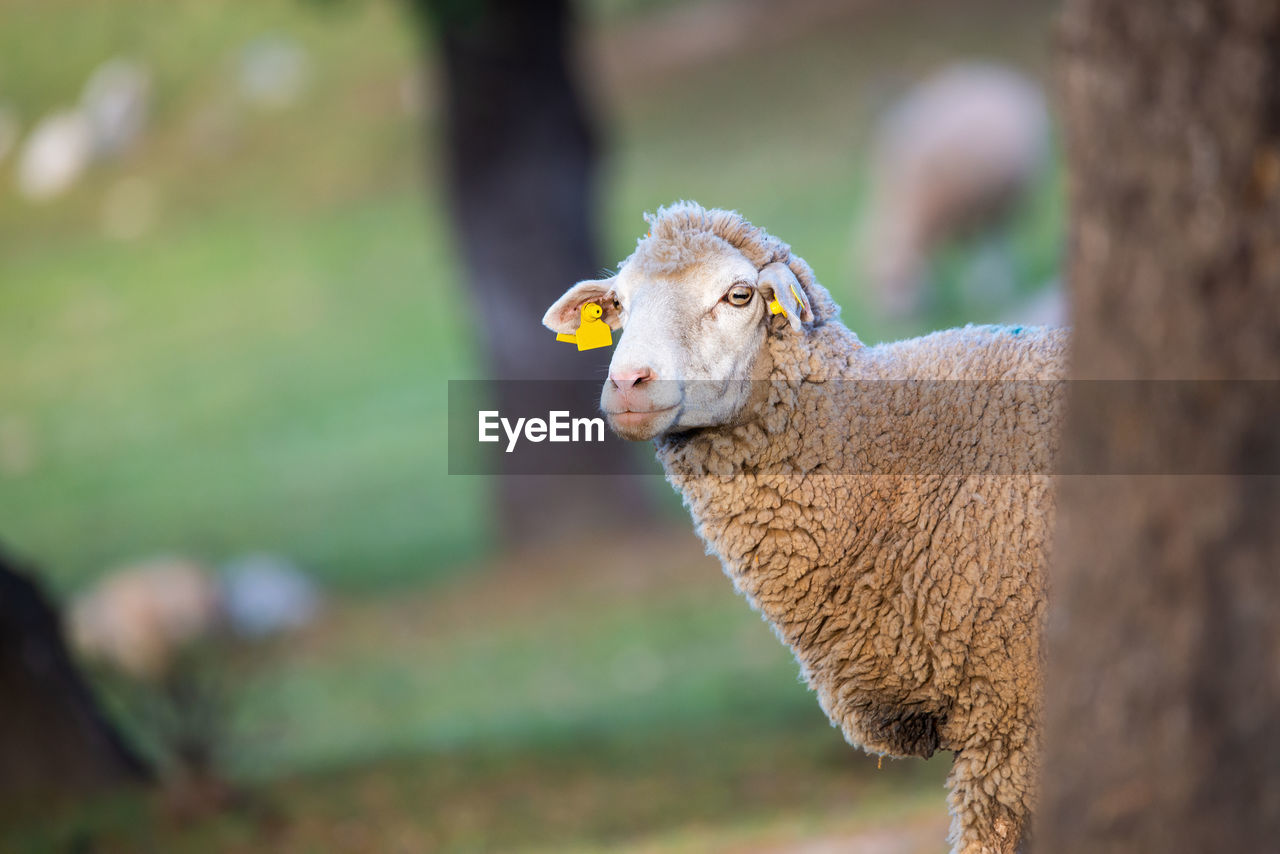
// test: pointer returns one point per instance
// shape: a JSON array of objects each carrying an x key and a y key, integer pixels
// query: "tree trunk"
[
  {"x": 521, "y": 157},
  {"x": 53, "y": 737},
  {"x": 1164, "y": 628}
]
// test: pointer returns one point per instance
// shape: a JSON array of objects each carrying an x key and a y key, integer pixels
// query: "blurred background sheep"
[
  {"x": 162, "y": 632},
  {"x": 954, "y": 158},
  {"x": 109, "y": 119},
  {"x": 138, "y": 619}
]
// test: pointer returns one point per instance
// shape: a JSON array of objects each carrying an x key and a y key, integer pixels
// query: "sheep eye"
[{"x": 739, "y": 295}]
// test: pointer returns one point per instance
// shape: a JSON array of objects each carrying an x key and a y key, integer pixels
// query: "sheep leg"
[{"x": 990, "y": 799}]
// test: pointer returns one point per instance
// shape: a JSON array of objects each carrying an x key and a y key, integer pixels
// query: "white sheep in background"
[
  {"x": 886, "y": 508},
  {"x": 55, "y": 154},
  {"x": 954, "y": 156},
  {"x": 265, "y": 594},
  {"x": 117, "y": 100},
  {"x": 139, "y": 619}
]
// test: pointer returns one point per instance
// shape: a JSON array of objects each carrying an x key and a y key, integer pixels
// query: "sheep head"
[{"x": 693, "y": 302}]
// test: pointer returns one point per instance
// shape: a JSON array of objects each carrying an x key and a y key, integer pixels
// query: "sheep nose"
[{"x": 625, "y": 380}]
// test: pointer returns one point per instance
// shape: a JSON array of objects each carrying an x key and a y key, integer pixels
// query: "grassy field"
[
  {"x": 538, "y": 707},
  {"x": 265, "y": 369}
]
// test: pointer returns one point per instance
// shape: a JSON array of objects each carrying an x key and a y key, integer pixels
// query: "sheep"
[
  {"x": 265, "y": 595},
  {"x": 55, "y": 155},
  {"x": 116, "y": 100},
  {"x": 954, "y": 156},
  {"x": 887, "y": 519},
  {"x": 138, "y": 619}
]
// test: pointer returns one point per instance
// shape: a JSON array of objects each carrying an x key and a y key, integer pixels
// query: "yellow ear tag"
[
  {"x": 775, "y": 307},
  {"x": 592, "y": 331}
]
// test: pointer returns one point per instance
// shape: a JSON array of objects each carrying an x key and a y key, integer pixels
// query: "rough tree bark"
[
  {"x": 1164, "y": 629},
  {"x": 521, "y": 155},
  {"x": 53, "y": 738}
]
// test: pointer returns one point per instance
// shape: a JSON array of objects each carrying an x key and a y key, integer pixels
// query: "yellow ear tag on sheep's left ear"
[{"x": 592, "y": 331}]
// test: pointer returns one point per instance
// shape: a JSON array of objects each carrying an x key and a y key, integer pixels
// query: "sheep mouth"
[{"x": 639, "y": 425}]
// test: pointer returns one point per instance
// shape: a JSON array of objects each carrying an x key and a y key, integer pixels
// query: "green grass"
[
  {"x": 568, "y": 672},
  {"x": 701, "y": 790},
  {"x": 266, "y": 368},
  {"x": 504, "y": 714},
  {"x": 248, "y": 384}
]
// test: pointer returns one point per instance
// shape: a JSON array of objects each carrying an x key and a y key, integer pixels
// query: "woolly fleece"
[{"x": 914, "y": 601}]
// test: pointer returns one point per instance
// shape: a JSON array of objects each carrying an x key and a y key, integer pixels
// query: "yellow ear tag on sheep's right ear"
[
  {"x": 592, "y": 332},
  {"x": 775, "y": 307}
]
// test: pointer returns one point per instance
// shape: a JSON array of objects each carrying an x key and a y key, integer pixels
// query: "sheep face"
[{"x": 693, "y": 337}]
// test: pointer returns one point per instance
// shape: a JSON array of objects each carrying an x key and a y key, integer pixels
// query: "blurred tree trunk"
[
  {"x": 1163, "y": 706},
  {"x": 521, "y": 158},
  {"x": 53, "y": 737}
]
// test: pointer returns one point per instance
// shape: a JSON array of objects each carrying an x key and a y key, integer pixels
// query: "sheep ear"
[
  {"x": 783, "y": 290},
  {"x": 566, "y": 313}
]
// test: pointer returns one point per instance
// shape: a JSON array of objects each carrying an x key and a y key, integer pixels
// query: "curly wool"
[
  {"x": 683, "y": 233},
  {"x": 913, "y": 601}
]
